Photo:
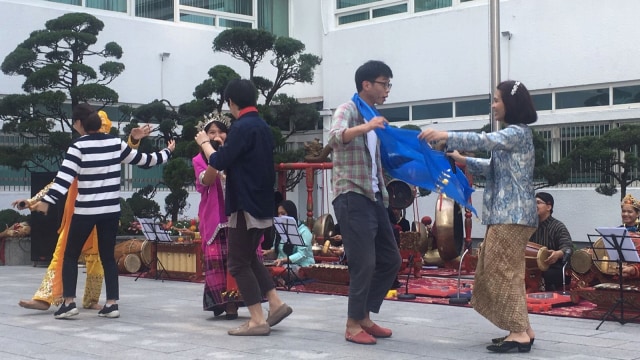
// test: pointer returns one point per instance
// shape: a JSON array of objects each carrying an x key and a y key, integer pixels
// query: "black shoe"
[
  {"x": 501, "y": 339},
  {"x": 507, "y": 346},
  {"x": 231, "y": 316},
  {"x": 66, "y": 311},
  {"x": 109, "y": 311}
]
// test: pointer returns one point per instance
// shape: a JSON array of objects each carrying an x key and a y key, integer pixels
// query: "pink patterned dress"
[{"x": 211, "y": 213}]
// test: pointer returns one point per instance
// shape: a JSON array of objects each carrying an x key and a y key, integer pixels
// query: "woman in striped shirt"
[{"x": 95, "y": 159}]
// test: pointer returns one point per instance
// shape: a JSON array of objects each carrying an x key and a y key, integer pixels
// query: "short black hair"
[
  {"x": 370, "y": 71},
  {"x": 518, "y": 105},
  {"x": 242, "y": 92},
  {"x": 88, "y": 117},
  {"x": 547, "y": 198},
  {"x": 92, "y": 123},
  {"x": 82, "y": 111}
]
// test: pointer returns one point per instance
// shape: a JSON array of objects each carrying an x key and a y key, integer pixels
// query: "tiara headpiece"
[
  {"x": 514, "y": 89},
  {"x": 630, "y": 200},
  {"x": 214, "y": 116}
]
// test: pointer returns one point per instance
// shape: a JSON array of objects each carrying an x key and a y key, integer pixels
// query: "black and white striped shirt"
[{"x": 96, "y": 160}]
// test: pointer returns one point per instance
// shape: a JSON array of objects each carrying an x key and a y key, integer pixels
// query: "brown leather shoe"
[
  {"x": 245, "y": 330},
  {"x": 34, "y": 304},
  {"x": 279, "y": 314}
]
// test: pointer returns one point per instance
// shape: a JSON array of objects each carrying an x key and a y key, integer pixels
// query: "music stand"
[
  {"x": 287, "y": 228},
  {"x": 619, "y": 248},
  {"x": 152, "y": 232}
]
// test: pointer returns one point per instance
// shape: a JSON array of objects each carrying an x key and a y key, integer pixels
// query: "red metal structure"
[{"x": 309, "y": 168}]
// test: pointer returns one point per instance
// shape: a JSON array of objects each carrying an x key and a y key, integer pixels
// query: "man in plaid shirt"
[{"x": 360, "y": 202}]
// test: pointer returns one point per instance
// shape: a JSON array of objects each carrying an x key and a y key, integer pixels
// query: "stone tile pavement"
[{"x": 164, "y": 320}]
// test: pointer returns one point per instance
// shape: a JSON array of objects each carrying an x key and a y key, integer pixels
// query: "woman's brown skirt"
[{"x": 499, "y": 289}]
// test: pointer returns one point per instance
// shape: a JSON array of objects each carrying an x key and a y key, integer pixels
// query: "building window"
[
  {"x": 426, "y": 5},
  {"x": 273, "y": 16},
  {"x": 241, "y": 7},
  {"x": 432, "y": 111},
  {"x": 341, "y": 4},
  {"x": 228, "y": 23},
  {"x": 395, "y": 114},
  {"x": 346, "y": 19},
  {"x": 626, "y": 94},
  {"x": 70, "y": 2},
  {"x": 542, "y": 101},
  {"x": 155, "y": 9},
  {"x": 582, "y": 98},
  {"x": 546, "y": 137},
  {"x": 113, "y": 5},
  {"x": 473, "y": 107},
  {"x": 391, "y": 10},
  {"x": 198, "y": 19}
]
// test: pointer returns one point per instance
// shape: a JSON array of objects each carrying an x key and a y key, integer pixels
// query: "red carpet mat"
[{"x": 438, "y": 290}]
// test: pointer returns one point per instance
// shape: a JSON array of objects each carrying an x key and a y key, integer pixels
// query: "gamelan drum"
[
  {"x": 581, "y": 261},
  {"x": 600, "y": 258},
  {"x": 141, "y": 248},
  {"x": 535, "y": 256},
  {"x": 129, "y": 263}
]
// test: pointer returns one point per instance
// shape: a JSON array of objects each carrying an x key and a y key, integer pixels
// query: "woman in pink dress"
[{"x": 217, "y": 296}]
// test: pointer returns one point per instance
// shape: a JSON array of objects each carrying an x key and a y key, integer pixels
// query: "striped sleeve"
[{"x": 65, "y": 176}]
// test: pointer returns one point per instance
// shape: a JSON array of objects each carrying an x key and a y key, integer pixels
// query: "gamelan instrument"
[
  {"x": 443, "y": 229},
  {"x": 535, "y": 256},
  {"x": 427, "y": 245},
  {"x": 132, "y": 254},
  {"x": 591, "y": 266},
  {"x": 323, "y": 229},
  {"x": 401, "y": 194}
]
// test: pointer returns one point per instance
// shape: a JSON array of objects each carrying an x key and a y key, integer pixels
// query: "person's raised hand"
[
  {"x": 141, "y": 132},
  {"x": 201, "y": 138},
  {"x": 171, "y": 145}
]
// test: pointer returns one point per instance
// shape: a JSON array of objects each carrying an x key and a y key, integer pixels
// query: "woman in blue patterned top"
[{"x": 508, "y": 210}]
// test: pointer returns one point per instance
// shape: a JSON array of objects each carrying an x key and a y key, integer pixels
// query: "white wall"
[
  {"x": 142, "y": 40},
  {"x": 445, "y": 53}
]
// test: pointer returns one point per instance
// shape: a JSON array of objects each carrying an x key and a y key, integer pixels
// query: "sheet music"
[
  {"x": 617, "y": 238},
  {"x": 287, "y": 227},
  {"x": 152, "y": 230}
]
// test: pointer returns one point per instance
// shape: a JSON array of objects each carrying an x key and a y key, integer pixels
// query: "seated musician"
[
  {"x": 630, "y": 213},
  {"x": 297, "y": 256},
  {"x": 553, "y": 234}
]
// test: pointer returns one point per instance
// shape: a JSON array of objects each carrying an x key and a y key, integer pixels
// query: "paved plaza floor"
[{"x": 164, "y": 320}]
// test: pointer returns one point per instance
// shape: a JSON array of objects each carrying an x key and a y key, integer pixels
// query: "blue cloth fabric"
[{"x": 407, "y": 158}]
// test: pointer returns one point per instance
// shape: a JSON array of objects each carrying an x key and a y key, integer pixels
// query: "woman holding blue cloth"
[{"x": 509, "y": 211}]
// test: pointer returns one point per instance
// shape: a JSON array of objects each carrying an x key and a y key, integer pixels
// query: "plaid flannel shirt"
[{"x": 352, "y": 161}]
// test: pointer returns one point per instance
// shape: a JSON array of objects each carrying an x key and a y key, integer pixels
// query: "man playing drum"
[{"x": 553, "y": 234}]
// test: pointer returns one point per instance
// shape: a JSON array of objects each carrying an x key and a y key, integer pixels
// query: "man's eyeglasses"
[
  {"x": 386, "y": 85},
  {"x": 540, "y": 202}
]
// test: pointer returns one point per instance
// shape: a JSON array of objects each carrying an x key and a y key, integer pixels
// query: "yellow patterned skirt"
[{"x": 50, "y": 290}]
